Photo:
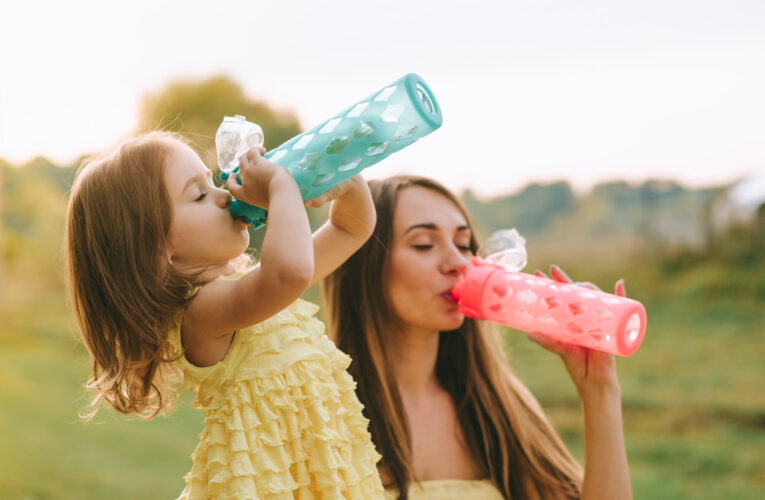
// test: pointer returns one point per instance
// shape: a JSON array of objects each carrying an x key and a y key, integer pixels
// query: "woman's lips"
[{"x": 447, "y": 295}]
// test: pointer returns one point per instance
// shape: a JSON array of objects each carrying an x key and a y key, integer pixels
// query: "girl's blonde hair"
[
  {"x": 124, "y": 293},
  {"x": 505, "y": 427}
]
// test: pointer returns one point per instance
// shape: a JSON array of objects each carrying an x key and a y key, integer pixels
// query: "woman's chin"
[{"x": 453, "y": 321}]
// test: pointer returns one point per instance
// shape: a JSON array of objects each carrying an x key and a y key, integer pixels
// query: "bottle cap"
[
  {"x": 236, "y": 136},
  {"x": 506, "y": 248}
]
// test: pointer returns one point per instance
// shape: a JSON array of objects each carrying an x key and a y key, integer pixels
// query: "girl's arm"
[
  {"x": 351, "y": 222},
  {"x": 606, "y": 472},
  {"x": 286, "y": 258}
]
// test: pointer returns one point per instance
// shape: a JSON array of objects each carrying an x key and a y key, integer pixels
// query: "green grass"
[
  {"x": 47, "y": 451},
  {"x": 693, "y": 404},
  {"x": 694, "y": 408}
]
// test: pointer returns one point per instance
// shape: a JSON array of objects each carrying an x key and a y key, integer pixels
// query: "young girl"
[{"x": 150, "y": 239}]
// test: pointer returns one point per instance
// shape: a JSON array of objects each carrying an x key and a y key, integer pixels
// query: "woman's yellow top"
[
  {"x": 282, "y": 419},
  {"x": 450, "y": 489}
]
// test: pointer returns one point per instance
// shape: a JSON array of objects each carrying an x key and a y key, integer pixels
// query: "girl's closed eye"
[
  {"x": 207, "y": 182},
  {"x": 422, "y": 247}
]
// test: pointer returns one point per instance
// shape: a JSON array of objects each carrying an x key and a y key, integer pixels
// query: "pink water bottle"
[{"x": 493, "y": 290}]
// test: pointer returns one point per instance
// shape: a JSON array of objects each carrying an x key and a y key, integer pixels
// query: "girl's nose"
[{"x": 223, "y": 197}]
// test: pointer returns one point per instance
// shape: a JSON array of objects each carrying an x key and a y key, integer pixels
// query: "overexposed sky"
[{"x": 533, "y": 90}]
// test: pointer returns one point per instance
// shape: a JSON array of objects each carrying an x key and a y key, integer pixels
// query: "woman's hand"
[{"x": 590, "y": 370}]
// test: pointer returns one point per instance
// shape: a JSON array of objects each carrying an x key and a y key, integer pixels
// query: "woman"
[{"x": 447, "y": 414}]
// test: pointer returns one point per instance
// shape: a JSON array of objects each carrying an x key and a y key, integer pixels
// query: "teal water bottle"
[{"x": 374, "y": 128}]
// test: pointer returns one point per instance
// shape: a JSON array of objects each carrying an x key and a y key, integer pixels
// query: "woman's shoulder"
[{"x": 450, "y": 489}]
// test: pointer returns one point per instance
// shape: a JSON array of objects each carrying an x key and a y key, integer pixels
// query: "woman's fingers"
[
  {"x": 620, "y": 289},
  {"x": 543, "y": 340},
  {"x": 587, "y": 284},
  {"x": 552, "y": 345},
  {"x": 557, "y": 274}
]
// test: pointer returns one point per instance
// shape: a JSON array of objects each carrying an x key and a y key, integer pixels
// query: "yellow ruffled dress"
[
  {"x": 450, "y": 489},
  {"x": 282, "y": 420}
]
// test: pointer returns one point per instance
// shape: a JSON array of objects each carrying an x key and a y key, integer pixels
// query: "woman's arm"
[{"x": 606, "y": 472}]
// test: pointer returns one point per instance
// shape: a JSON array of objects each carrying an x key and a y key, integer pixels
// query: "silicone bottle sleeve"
[
  {"x": 370, "y": 130},
  {"x": 566, "y": 312}
]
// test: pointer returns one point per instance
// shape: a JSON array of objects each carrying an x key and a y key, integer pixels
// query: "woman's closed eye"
[
  {"x": 201, "y": 197},
  {"x": 423, "y": 247}
]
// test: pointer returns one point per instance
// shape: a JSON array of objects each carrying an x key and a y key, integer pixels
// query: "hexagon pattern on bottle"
[{"x": 336, "y": 145}]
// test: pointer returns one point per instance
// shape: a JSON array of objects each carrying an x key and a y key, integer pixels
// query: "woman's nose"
[{"x": 455, "y": 262}]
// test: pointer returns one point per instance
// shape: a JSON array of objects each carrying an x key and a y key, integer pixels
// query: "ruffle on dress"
[{"x": 282, "y": 419}]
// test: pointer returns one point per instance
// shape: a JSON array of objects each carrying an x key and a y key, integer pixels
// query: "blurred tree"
[
  {"x": 196, "y": 108},
  {"x": 531, "y": 211},
  {"x": 33, "y": 224}
]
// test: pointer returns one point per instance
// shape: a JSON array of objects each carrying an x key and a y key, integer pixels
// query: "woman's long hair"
[
  {"x": 505, "y": 427},
  {"x": 124, "y": 293}
]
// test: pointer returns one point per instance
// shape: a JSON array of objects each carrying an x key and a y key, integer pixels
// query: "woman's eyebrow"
[
  {"x": 433, "y": 227},
  {"x": 425, "y": 225}
]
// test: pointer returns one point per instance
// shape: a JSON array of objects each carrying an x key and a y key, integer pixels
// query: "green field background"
[{"x": 693, "y": 407}]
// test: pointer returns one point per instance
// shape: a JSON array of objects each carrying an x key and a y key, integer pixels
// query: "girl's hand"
[
  {"x": 257, "y": 174},
  {"x": 355, "y": 182},
  {"x": 589, "y": 369}
]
